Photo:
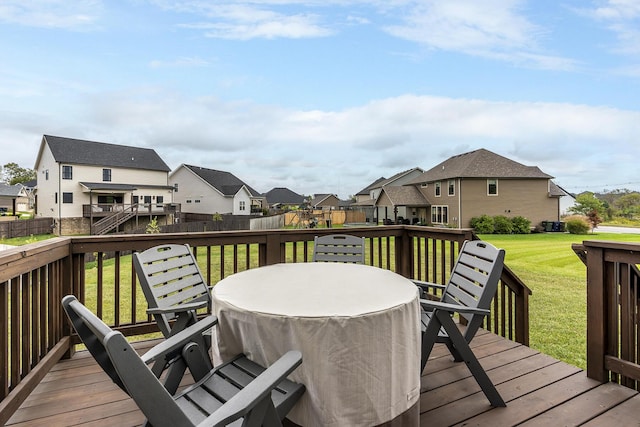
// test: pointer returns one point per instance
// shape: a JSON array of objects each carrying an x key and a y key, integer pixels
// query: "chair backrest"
[
  {"x": 474, "y": 279},
  {"x": 169, "y": 276},
  {"x": 338, "y": 248},
  {"x": 121, "y": 362}
]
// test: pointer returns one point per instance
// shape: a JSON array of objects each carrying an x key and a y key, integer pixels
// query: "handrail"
[
  {"x": 613, "y": 310},
  {"x": 98, "y": 270}
]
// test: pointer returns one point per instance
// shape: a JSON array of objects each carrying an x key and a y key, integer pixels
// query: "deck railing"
[
  {"x": 613, "y": 311},
  {"x": 33, "y": 278}
]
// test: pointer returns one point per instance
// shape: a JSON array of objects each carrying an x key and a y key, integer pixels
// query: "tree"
[
  {"x": 628, "y": 205},
  {"x": 586, "y": 203},
  {"x": 14, "y": 174}
]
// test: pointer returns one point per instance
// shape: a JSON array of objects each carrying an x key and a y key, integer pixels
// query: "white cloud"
[
  {"x": 76, "y": 15},
  {"x": 249, "y": 20},
  {"x": 495, "y": 29},
  {"x": 270, "y": 146},
  {"x": 622, "y": 17}
]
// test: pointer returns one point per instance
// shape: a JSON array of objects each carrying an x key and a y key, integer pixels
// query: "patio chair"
[
  {"x": 172, "y": 285},
  {"x": 174, "y": 289},
  {"x": 469, "y": 291},
  {"x": 240, "y": 390},
  {"x": 338, "y": 248}
]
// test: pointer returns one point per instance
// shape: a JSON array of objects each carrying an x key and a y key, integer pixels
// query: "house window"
[
  {"x": 437, "y": 188},
  {"x": 147, "y": 200},
  {"x": 67, "y": 197},
  {"x": 67, "y": 172},
  {"x": 56, "y": 198},
  {"x": 439, "y": 214},
  {"x": 134, "y": 200},
  {"x": 188, "y": 200},
  {"x": 196, "y": 201},
  {"x": 175, "y": 187},
  {"x": 106, "y": 175},
  {"x": 46, "y": 175},
  {"x": 492, "y": 187},
  {"x": 242, "y": 205},
  {"x": 452, "y": 187}
]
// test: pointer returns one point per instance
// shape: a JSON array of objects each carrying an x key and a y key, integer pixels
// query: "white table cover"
[{"x": 358, "y": 328}]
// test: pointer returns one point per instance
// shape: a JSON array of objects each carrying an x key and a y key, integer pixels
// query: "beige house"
[
  {"x": 95, "y": 188},
  {"x": 482, "y": 182}
]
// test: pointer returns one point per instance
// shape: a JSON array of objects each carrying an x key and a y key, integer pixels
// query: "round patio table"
[{"x": 358, "y": 328}]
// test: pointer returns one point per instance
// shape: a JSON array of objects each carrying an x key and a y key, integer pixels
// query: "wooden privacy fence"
[
  {"x": 613, "y": 311},
  {"x": 33, "y": 278},
  {"x": 25, "y": 227}
]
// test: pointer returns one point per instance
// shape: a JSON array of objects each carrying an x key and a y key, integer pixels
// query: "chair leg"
[
  {"x": 470, "y": 359},
  {"x": 429, "y": 337}
]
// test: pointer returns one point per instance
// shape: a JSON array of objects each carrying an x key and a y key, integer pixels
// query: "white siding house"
[
  {"x": 80, "y": 179},
  {"x": 208, "y": 191}
]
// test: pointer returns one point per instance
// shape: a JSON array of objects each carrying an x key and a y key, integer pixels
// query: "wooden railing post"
[
  {"x": 273, "y": 250},
  {"x": 404, "y": 254},
  {"x": 596, "y": 315}
]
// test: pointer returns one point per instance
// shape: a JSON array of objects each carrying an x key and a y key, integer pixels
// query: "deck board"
[{"x": 538, "y": 390}]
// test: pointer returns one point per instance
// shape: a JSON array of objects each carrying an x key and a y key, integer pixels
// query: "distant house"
[
  {"x": 80, "y": 183},
  {"x": 209, "y": 191},
  {"x": 379, "y": 209},
  {"x": 482, "y": 182},
  {"x": 567, "y": 200},
  {"x": 13, "y": 197},
  {"x": 281, "y": 197},
  {"x": 325, "y": 202}
]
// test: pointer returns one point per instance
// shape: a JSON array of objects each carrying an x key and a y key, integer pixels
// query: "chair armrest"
[
  {"x": 178, "y": 308},
  {"x": 176, "y": 342},
  {"x": 257, "y": 390},
  {"x": 427, "y": 285},
  {"x": 430, "y": 305}
]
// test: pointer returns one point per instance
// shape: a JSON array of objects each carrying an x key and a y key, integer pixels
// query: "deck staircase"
[{"x": 112, "y": 221}]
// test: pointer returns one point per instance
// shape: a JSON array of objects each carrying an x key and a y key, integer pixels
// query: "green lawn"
[
  {"x": 545, "y": 262},
  {"x": 557, "y": 278}
]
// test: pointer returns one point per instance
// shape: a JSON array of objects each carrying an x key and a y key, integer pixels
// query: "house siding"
[
  {"x": 191, "y": 188},
  {"x": 528, "y": 198}
]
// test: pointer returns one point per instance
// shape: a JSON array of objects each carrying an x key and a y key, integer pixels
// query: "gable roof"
[
  {"x": 81, "y": 152},
  {"x": 321, "y": 198},
  {"x": 407, "y": 195},
  {"x": 16, "y": 190},
  {"x": 284, "y": 196},
  {"x": 382, "y": 181},
  {"x": 479, "y": 164},
  {"x": 225, "y": 182},
  {"x": 374, "y": 184}
]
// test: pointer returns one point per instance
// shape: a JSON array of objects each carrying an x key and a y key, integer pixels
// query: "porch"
[
  {"x": 538, "y": 390},
  {"x": 37, "y": 347}
]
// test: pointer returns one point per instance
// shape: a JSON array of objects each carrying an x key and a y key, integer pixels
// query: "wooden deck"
[{"x": 538, "y": 389}]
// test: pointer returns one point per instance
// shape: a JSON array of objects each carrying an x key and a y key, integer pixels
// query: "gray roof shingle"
[
  {"x": 81, "y": 152},
  {"x": 479, "y": 164},
  {"x": 225, "y": 182},
  {"x": 283, "y": 195}
]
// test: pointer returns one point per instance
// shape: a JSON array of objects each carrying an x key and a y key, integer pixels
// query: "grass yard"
[{"x": 557, "y": 278}]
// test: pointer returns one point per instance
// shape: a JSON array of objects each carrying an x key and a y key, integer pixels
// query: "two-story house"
[
  {"x": 482, "y": 182},
  {"x": 96, "y": 187},
  {"x": 208, "y": 191}
]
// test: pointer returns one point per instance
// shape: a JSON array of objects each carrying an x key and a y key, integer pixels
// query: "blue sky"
[{"x": 325, "y": 96}]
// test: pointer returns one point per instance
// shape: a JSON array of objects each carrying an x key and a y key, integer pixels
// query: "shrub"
[
  {"x": 502, "y": 225},
  {"x": 577, "y": 224},
  {"x": 521, "y": 225},
  {"x": 482, "y": 224}
]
